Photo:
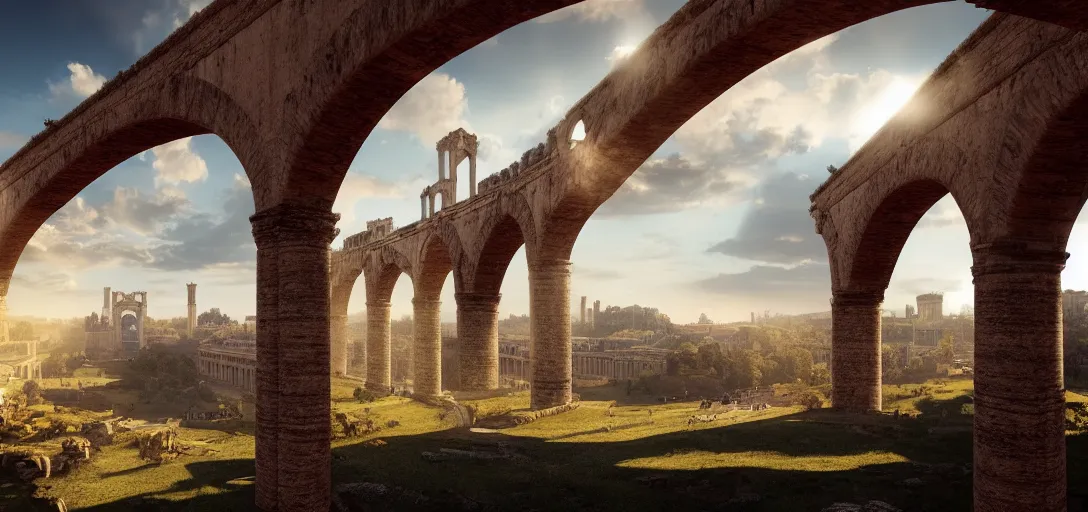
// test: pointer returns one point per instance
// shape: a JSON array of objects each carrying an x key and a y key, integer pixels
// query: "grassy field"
[{"x": 585, "y": 460}]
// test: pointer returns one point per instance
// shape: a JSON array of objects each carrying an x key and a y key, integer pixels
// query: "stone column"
[
  {"x": 422, "y": 207},
  {"x": 855, "y": 350},
  {"x": 472, "y": 175},
  {"x": 441, "y": 166},
  {"x": 378, "y": 352},
  {"x": 338, "y": 359},
  {"x": 1019, "y": 436},
  {"x": 293, "y": 340},
  {"x": 4, "y": 335},
  {"x": 549, "y": 317},
  {"x": 478, "y": 334},
  {"x": 427, "y": 350}
]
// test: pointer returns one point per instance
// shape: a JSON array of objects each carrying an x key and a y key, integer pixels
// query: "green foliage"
[
  {"x": 214, "y": 317},
  {"x": 809, "y": 399},
  {"x": 1076, "y": 416},
  {"x": 33, "y": 392},
  {"x": 160, "y": 374},
  {"x": 821, "y": 375},
  {"x": 944, "y": 353},
  {"x": 363, "y": 396}
]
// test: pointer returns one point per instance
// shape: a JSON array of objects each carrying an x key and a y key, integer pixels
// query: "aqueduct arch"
[
  {"x": 1020, "y": 185},
  {"x": 343, "y": 66}
]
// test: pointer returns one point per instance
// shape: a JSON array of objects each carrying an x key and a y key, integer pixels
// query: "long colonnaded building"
[
  {"x": 592, "y": 358},
  {"x": 232, "y": 362}
]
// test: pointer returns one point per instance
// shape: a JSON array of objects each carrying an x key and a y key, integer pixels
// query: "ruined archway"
[{"x": 358, "y": 88}]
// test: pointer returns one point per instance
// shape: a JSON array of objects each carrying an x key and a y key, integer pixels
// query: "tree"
[
  {"x": 213, "y": 317},
  {"x": 22, "y": 331},
  {"x": 944, "y": 353},
  {"x": 33, "y": 392},
  {"x": 704, "y": 320},
  {"x": 820, "y": 375}
]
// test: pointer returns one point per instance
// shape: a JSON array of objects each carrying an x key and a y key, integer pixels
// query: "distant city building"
[
  {"x": 251, "y": 322},
  {"x": 1074, "y": 303}
]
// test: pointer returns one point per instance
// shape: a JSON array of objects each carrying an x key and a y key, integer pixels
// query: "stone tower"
[
  {"x": 930, "y": 307},
  {"x": 192, "y": 307},
  {"x": 583, "y": 311},
  {"x": 107, "y": 304}
]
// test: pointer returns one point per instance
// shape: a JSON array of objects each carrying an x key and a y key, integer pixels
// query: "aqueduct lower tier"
[
  {"x": 294, "y": 87},
  {"x": 1000, "y": 125}
]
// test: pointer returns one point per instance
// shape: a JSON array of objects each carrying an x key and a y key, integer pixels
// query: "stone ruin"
[
  {"x": 458, "y": 145},
  {"x": 375, "y": 230},
  {"x": 158, "y": 445},
  {"x": 27, "y": 463},
  {"x": 529, "y": 159}
]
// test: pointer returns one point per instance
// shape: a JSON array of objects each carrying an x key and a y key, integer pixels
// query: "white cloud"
[
  {"x": 357, "y": 187},
  {"x": 595, "y": 11},
  {"x": 144, "y": 215},
  {"x": 176, "y": 162},
  {"x": 188, "y": 9},
  {"x": 82, "y": 81},
  {"x": 430, "y": 110},
  {"x": 620, "y": 54},
  {"x": 831, "y": 105}
]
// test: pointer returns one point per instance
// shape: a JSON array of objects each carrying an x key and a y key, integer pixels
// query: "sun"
[
  {"x": 622, "y": 52},
  {"x": 881, "y": 109}
]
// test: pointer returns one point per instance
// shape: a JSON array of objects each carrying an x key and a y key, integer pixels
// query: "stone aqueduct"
[{"x": 294, "y": 87}]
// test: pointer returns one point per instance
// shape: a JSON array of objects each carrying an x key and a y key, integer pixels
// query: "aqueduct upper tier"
[
  {"x": 294, "y": 87},
  {"x": 1000, "y": 125}
]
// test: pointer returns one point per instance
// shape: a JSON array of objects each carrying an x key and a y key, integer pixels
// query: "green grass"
[{"x": 586, "y": 460}]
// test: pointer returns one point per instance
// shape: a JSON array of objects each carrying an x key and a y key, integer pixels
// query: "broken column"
[
  {"x": 427, "y": 350},
  {"x": 1019, "y": 438},
  {"x": 378, "y": 353},
  {"x": 549, "y": 317},
  {"x": 478, "y": 334},
  {"x": 293, "y": 458},
  {"x": 855, "y": 350}
]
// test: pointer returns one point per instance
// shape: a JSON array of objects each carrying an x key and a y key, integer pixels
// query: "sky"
[{"x": 715, "y": 222}]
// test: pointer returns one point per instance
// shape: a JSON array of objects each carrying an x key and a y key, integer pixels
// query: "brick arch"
[
  {"x": 377, "y": 54},
  {"x": 156, "y": 117},
  {"x": 1053, "y": 183},
  {"x": 886, "y": 231},
  {"x": 436, "y": 261}
]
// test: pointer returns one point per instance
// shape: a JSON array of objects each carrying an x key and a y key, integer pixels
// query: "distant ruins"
[
  {"x": 232, "y": 362},
  {"x": 120, "y": 329},
  {"x": 454, "y": 148},
  {"x": 591, "y": 358},
  {"x": 595, "y": 321}
]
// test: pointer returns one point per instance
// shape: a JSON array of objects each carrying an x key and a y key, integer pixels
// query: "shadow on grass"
[
  {"x": 685, "y": 470},
  {"x": 231, "y": 481}
]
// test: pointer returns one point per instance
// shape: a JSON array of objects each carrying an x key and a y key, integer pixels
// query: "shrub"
[
  {"x": 809, "y": 399},
  {"x": 363, "y": 395}
]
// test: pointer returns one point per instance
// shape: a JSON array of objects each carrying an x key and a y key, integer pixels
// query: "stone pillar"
[
  {"x": 478, "y": 334},
  {"x": 550, "y": 349},
  {"x": 1019, "y": 428},
  {"x": 378, "y": 352},
  {"x": 427, "y": 350},
  {"x": 855, "y": 350},
  {"x": 472, "y": 175},
  {"x": 338, "y": 359},
  {"x": 422, "y": 207},
  {"x": 441, "y": 166},
  {"x": 293, "y": 458}
]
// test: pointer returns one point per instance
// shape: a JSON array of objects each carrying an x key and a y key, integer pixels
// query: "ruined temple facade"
[
  {"x": 453, "y": 149},
  {"x": 930, "y": 307},
  {"x": 119, "y": 332}
]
